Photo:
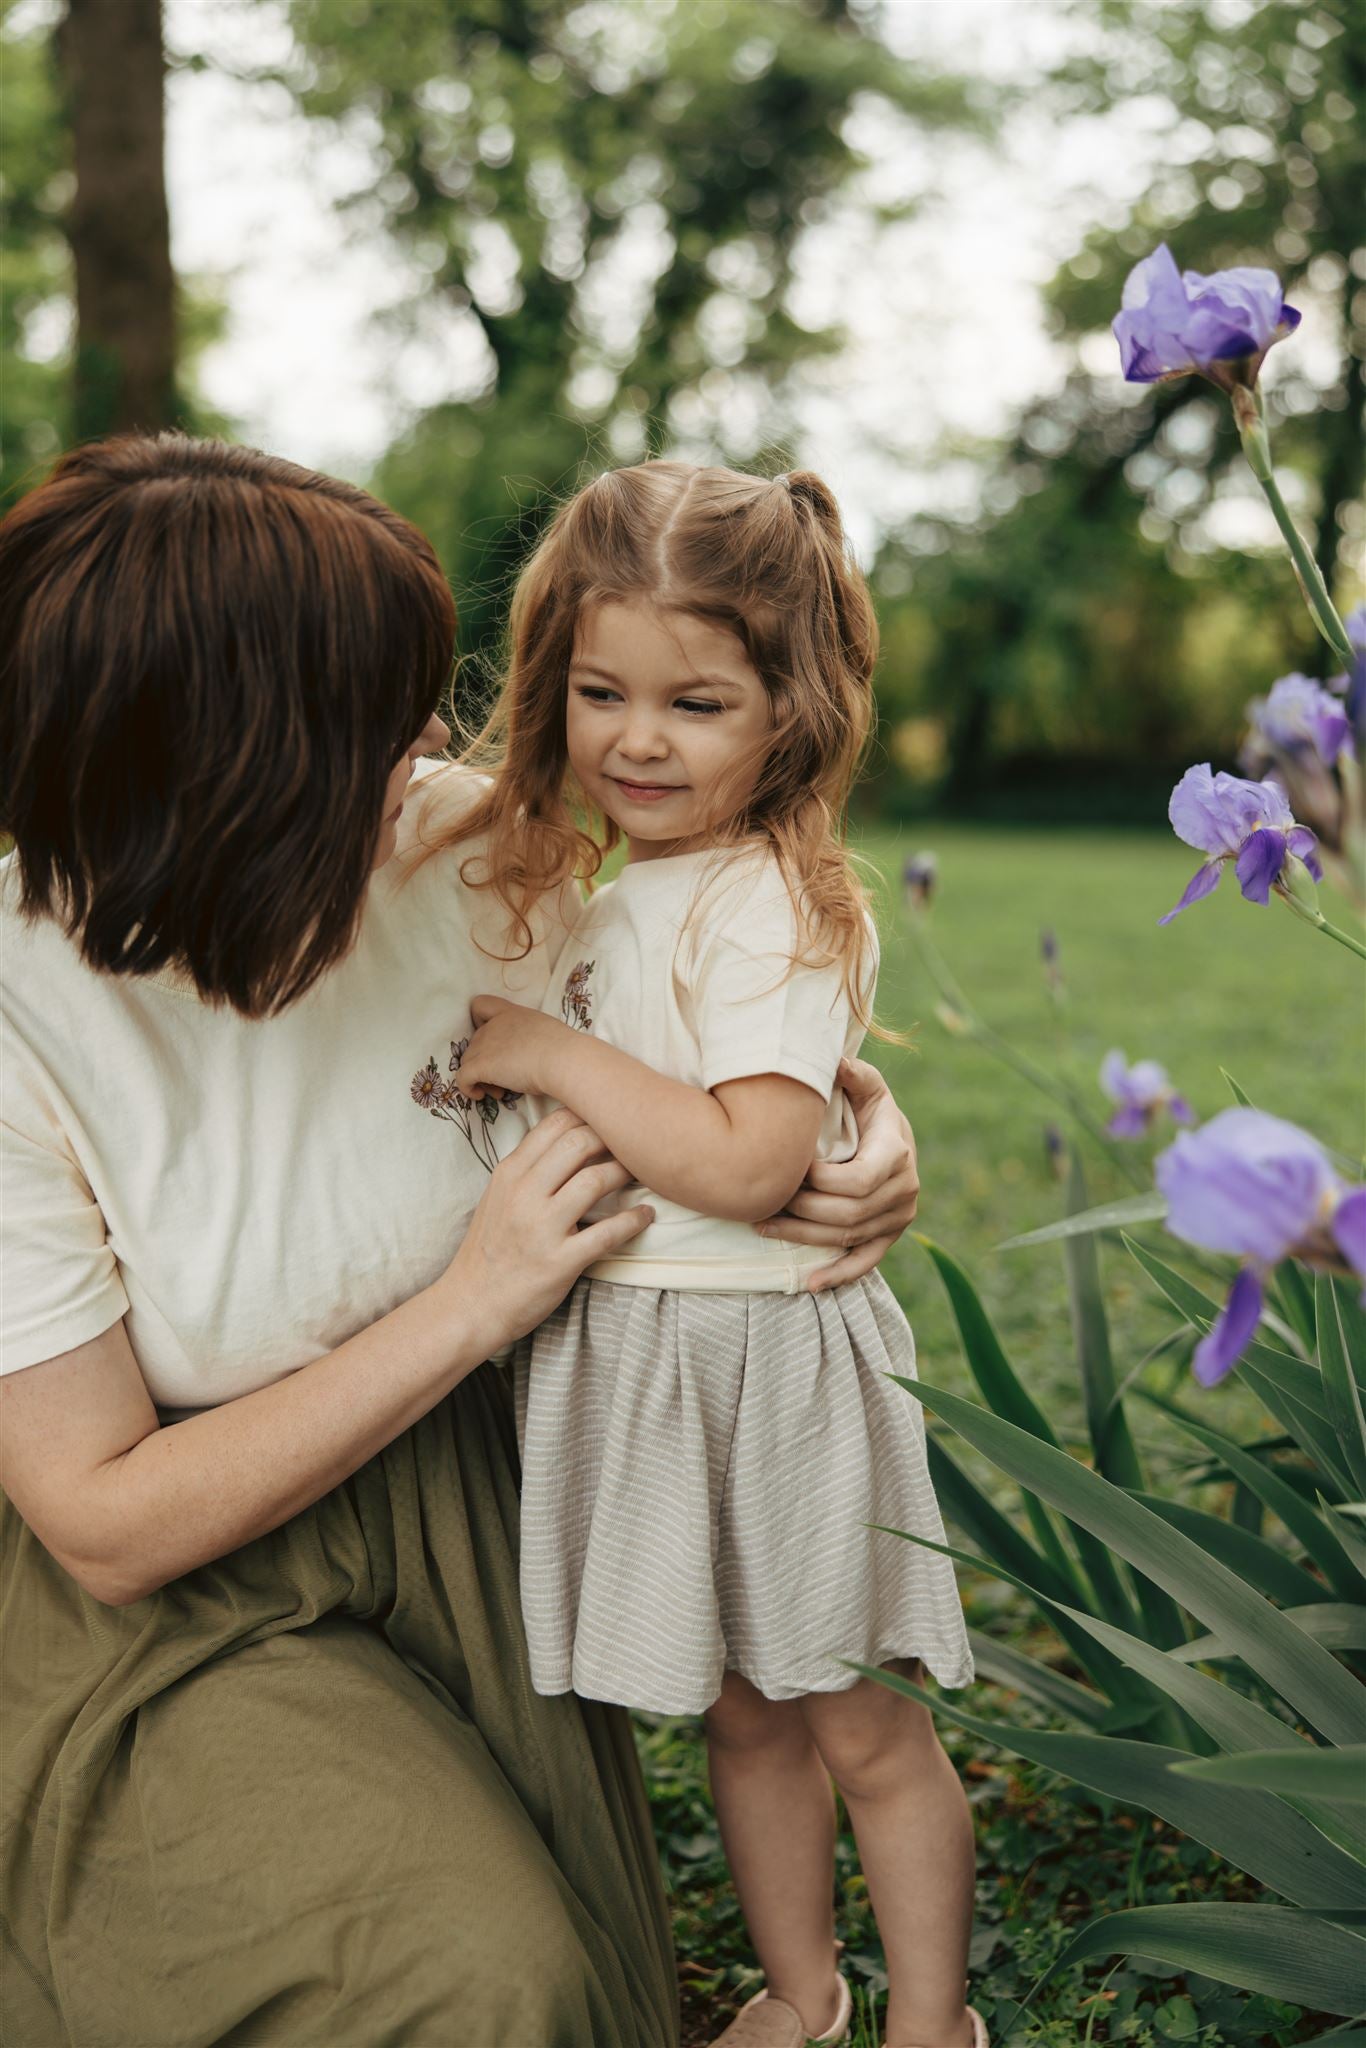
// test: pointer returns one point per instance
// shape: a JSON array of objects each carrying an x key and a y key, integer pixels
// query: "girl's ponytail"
[
  {"x": 807, "y": 489},
  {"x": 847, "y": 603}
]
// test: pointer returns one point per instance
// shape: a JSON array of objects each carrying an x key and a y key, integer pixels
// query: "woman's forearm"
[{"x": 198, "y": 1489}]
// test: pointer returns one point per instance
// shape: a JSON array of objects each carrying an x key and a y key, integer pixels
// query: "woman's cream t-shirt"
[
  {"x": 687, "y": 963},
  {"x": 246, "y": 1194}
]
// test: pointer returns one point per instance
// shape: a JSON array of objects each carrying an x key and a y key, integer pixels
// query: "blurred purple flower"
[
  {"x": 1174, "y": 322},
  {"x": 1142, "y": 1092},
  {"x": 1349, "y": 1229},
  {"x": 1354, "y": 699},
  {"x": 1298, "y": 712},
  {"x": 1355, "y": 625},
  {"x": 1260, "y": 1188},
  {"x": 1250, "y": 823},
  {"x": 918, "y": 879}
]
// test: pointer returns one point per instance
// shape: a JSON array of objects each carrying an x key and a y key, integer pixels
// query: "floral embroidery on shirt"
[
  {"x": 447, "y": 1100},
  {"x": 576, "y": 1005}
]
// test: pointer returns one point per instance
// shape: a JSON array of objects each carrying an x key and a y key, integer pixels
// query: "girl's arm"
[
  {"x": 738, "y": 1151},
  {"x": 126, "y": 1506}
]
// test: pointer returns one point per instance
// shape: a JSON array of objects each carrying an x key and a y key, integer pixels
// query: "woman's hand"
[
  {"x": 525, "y": 1248},
  {"x": 861, "y": 1207},
  {"x": 512, "y": 1049}
]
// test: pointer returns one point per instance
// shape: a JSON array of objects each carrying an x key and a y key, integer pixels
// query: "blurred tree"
[
  {"x": 113, "y": 69},
  {"x": 1054, "y": 629},
  {"x": 606, "y": 199},
  {"x": 35, "y": 319}
]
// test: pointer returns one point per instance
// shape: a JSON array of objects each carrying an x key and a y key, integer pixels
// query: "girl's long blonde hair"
[{"x": 768, "y": 561}]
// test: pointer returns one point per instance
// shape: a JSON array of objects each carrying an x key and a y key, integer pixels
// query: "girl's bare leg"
[
  {"x": 777, "y": 1815},
  {"x": 910, "y": 1818}
]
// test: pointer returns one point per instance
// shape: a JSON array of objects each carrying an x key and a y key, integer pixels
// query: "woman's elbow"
[{"x": 109, "y": 1579}]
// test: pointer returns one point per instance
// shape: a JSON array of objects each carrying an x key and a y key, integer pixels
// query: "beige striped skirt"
[{"x": 700, "y": 1473}]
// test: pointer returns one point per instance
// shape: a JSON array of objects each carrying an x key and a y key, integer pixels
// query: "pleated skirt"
[
  {"x": 307, "y": 1797},
  {"x": 706, "y": 1480}
]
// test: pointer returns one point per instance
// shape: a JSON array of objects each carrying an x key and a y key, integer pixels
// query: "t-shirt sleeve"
[
  {"x": 59, "y": 1279},
  {"x": 754, "y": 1012}
]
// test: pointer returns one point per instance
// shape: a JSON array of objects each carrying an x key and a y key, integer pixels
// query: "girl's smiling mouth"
[{"x": 647, "y": 792}]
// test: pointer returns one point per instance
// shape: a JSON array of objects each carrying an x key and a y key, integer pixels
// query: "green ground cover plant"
[{"x": 1053, "y": 1855}]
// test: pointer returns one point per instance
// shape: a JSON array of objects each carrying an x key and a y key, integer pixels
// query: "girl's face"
[
  {"x": 661, "y": 707},
  {"x": 434, "y": 735}
]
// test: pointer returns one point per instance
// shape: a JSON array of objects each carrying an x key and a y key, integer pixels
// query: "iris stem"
[
  {"x": 1257, "y": 448},
  {"x": 1343, "y": 938}
]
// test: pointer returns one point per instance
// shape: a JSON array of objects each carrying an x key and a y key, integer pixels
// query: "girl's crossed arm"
[{"x": 738, "y": 1152}]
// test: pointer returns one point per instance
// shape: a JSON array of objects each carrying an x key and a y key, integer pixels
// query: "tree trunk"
[{"x": 113, "y": 67}]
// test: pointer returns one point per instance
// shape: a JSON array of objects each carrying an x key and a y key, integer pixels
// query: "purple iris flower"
[
  {"x": 1355, "y": 625},
  {"x": 1354, "y": 700},
  {"x": 1175, "y": 321},
  {"x": 1258, "y": 1187},
  {"x": 1142, "y": 1092},
  {"x": 1250, "y": 823},
  {"x": 918, "y": 877},
  {"x": 1297, "y": 712}
]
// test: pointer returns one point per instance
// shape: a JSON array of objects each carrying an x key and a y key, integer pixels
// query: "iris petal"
[
  {"x": 1200, "y": 884},
  {"x": 1349, "y": 1229},
  {"x": 1260, "y": 861},
  {"x": 1220, "y": 1351}
]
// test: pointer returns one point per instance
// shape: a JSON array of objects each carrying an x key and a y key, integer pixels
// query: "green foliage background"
[
  {"x": 1042, "y": 660},
  {"x": 1055, "y": 660}
]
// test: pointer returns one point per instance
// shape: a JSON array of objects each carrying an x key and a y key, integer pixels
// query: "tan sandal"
[{"x": 766, "y": 2022}]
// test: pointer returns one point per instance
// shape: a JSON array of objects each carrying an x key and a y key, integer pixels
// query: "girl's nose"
[{"x": 642, "y": 740}]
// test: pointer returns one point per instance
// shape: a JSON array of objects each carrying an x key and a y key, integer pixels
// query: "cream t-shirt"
[
  {"x": 686, "y": 963},
  {"x": 246, "y": 1194}
]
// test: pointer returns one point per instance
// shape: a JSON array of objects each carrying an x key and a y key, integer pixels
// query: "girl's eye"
[
  {"x": 699, "y": 706},
  {"x": 596, "y": 694}
]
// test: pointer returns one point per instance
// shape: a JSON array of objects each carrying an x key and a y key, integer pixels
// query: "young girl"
[{"x": 706, "y": 1443}]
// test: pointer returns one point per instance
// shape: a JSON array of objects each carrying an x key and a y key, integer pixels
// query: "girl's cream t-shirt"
[
  {"x": 245, "y": 1194},
  {"x": 687, "y": 963}
]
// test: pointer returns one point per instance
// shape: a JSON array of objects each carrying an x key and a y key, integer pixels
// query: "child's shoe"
[{"x": 772, "y": 2023}]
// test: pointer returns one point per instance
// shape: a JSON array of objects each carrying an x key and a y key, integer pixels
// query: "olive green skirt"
[{"x": 307, "y": 1795}]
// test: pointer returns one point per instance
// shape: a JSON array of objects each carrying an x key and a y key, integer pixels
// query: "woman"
[{"x": 274, "y": 1768}]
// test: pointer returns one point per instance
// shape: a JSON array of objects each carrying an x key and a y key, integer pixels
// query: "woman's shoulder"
[{"x": 443, "y": 796}]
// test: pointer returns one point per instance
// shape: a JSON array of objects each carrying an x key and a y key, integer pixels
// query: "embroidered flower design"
[
  {"x": 428, "y": 1089},
  {"x": 447, "y": 1100},
  {"x": 576, "y": 1005}
]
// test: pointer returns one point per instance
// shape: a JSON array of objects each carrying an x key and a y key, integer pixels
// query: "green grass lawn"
[{"x": 1228, "y": 985}]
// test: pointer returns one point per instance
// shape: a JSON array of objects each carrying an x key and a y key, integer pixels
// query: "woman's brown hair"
[
  {"x": 768, "y": 561},
  {"x": 210, "y": 662}
]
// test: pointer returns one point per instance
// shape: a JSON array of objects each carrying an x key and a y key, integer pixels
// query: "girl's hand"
[
  {"x": 861, "y": 1207},
  {"x": 511, "y": 1048},
  {"x": 525, "y": 1246}
]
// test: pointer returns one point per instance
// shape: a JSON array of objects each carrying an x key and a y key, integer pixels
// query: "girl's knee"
[
  {"x": 741, "y": 1719},
  {"x": 868, "y": 1737}
]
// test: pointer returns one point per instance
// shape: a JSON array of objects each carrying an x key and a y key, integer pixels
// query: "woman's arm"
[
  {"x": 127, "y": 1506},
  {"x": 738, "y": 1151},
  {"x": 861, "y": 1206}
]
